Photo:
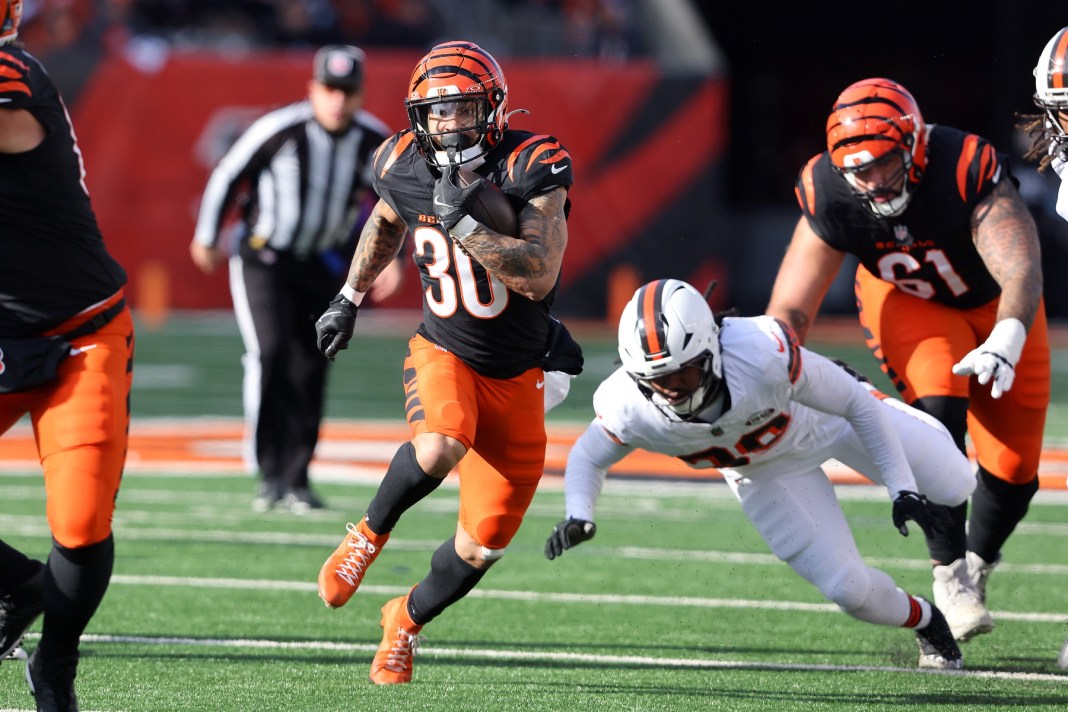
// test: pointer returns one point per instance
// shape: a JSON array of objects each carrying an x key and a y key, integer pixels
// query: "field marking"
[
  {"x": 545, "y": 656},
  {"x": 539, "y": 597},
  {"x": 360, "y": 450}
]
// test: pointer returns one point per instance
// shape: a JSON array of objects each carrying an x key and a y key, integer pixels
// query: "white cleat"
[
  {"x": 956, "y": 594},
  {"x": 979, "y": 571}
]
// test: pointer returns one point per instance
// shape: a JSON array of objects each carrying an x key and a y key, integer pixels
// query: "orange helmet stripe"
[
  {"x": 1060, "y": 78},
  {"x": 650, "y": 324}
]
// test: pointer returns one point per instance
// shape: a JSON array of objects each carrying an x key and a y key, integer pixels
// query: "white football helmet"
[
  {"x": 1051, "y": 88},
  {"x": 666, "y": 326}
]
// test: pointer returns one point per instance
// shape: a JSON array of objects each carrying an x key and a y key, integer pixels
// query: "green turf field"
[
  {"x": 676, "y": 605},
  {"x": 193, "y": 367}
]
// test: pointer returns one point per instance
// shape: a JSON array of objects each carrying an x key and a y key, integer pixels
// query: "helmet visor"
[{"x": 458, "y": 122}]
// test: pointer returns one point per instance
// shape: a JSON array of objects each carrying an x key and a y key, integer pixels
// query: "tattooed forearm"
[
  {"x": 1007, "y": 239},
  {"x": 380, "y": 241},
  {"x": 530, "y": 264}
]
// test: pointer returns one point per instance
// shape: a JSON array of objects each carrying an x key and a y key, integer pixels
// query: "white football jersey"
[
  {"x": 762, "y": 419},
  {"x": 783, "y": 400}
]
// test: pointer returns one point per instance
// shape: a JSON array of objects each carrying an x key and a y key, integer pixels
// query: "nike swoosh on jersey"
[
  {"x": 539, "y": 385},
  {"x": 557, "y": 169},
  {"x": 75, "y": 350}
]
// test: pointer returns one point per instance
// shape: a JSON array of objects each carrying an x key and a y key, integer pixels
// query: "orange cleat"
[
  {"x": 400, "y": 639},
  {"x": 342, "y": 573}
]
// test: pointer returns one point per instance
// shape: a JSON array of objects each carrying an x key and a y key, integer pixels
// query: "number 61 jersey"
[
  {"x": 762, "y": 421},
  {"x": 927, "y": 251},
  {"x": 466, "y": 309}
]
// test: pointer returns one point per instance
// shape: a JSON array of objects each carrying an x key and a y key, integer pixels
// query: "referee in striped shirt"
[{"x": 300, "y": 176}]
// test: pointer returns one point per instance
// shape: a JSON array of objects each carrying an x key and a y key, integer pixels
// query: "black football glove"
[
  {"x": 452, "y": 203},
  {"x": 932, "y": 518},
  {"x": 336, "y": 326},
  {"x": 568, "y": 533}
]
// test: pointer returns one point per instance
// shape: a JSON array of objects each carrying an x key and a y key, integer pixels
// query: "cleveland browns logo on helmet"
[
  {"x": 457, "y": 103},
  {"x": 872, "y": 120}
]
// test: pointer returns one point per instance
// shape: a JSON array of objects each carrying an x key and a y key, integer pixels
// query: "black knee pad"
[{"x": 951, "y": 412}]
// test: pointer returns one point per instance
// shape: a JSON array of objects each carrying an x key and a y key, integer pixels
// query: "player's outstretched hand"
[
  {"x": 931, "y": 518},
  {"x": 335, "y": 327},
  {"x": 995, "y": 359},
  {"x": 566, "y": 534},
  {"x": 452, "y": 200}
]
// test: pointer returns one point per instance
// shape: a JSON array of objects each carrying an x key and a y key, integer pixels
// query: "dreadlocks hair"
[{"x": 1034, "y": 125}]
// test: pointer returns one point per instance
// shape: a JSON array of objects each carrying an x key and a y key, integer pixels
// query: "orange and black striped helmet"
[
  {"x": 457, "y": 79},
  {"x": 10, "y": 16},
  {"x": 872, "y": 120},
  {"x": 1051, "y": 85}
]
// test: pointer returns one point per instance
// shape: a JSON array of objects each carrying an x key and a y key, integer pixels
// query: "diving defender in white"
[{"x": 744, "y": 396}]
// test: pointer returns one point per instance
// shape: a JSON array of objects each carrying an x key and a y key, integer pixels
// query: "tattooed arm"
[
  {"x": 529, "y": 264},
  {"x": 380, "y": 242},
  {"x": 1007, "y": 239}
]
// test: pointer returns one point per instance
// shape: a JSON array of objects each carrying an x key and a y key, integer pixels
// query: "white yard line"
[
  {"x": 498, "y": 654},
  {"x": 538, "y": 597}
]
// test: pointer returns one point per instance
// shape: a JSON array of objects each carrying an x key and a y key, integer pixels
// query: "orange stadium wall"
[{"x": 646, "y": 148}]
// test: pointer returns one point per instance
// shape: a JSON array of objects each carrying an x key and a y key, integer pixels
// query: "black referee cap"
[{"x": 339, "y": 66}]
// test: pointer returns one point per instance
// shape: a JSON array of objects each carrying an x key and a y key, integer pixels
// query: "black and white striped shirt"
[{"x": 303, "y": 182}]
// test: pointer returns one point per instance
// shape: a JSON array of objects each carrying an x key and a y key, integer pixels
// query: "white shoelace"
[
  {"x": 360, "y": 548},
  {"x": 404, "y": 647}
]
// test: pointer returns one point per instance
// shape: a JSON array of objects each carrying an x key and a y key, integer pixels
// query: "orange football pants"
[
  {"x": 81, "y": 424},
  {"x": 500, "y": 421},
  {"x": 917, "y": 342}
]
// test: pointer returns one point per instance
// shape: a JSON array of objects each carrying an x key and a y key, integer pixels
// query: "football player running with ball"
[
  {"x": 949, "y": 286},
  {"x": 743, "y": 396},
  {"x": 473, "y": 375},
  {"x": 1050, "y": 133}
]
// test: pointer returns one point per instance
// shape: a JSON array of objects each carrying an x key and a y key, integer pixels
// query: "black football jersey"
[
  {"x": 466, "y": 309},
  {"x": 55, "y": 264},
  {"x": 928, "y": 250}
]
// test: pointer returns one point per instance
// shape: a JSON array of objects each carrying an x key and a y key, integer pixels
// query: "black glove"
[
  {"x": 932, "y": 518},
  {"x": 336, "y": 326},
  {"x": 451, "y": 202},
  {"x": 568, "y": 533}
]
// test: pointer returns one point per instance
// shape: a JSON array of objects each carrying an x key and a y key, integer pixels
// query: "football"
[{"x": 491, "y": 207}]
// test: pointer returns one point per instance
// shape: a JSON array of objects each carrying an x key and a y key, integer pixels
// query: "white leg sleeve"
[
  {"x": 942, "y": 472},
  {"x": 801, "y": 520}
]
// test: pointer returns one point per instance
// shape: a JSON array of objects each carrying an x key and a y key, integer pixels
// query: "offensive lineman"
[
  {"x": 949, "y": 285},
  {"x": 57, "y": 278},
  {"x": 746, "y": 398}
]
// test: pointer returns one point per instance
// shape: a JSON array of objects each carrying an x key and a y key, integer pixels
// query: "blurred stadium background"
[{"x": 688, "y": 119}]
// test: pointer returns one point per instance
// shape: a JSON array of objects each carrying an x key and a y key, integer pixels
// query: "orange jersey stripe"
[
  {"x": 967, "y": 154},
  {"x": 806, "y": 188},
  {"x": 402, "y": 143},
  {"x": 15, "y": 86},
  {"x": 518, "y": 150},
  {"x": 5, "y": 57}
]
